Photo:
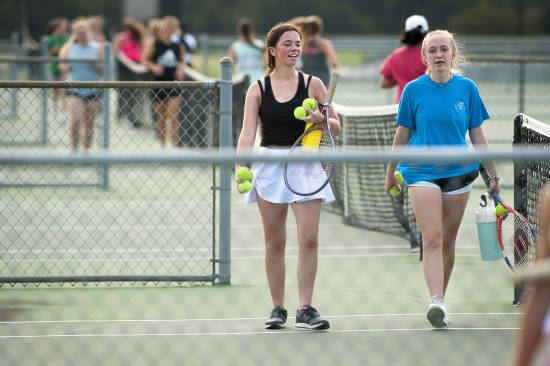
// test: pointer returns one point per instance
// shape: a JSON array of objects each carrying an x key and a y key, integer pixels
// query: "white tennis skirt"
[{"x": 269, "y": 184}]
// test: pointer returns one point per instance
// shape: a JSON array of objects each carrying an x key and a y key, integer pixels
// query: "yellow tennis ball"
[
  {"x": 245, "y": 174},
  {"x": 393, "y": 190},
  {"x": 500, "y": 210},
  {"x": 310, "y": 103},
  {"x": 398, "y": 176},
  {"x": 245, "y": 186},
  {"x": 300, "y": 112}
]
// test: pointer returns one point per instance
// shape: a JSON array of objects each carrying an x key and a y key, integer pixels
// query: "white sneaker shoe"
[{"x": 437, "y": 314}]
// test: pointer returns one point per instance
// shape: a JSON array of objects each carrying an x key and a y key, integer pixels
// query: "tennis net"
[
  {"x": 360, "y": 187},
  {"x": 531, "y": 175}
]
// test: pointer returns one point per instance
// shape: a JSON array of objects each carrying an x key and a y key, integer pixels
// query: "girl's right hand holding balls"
[{"x": 244, "y": 177}]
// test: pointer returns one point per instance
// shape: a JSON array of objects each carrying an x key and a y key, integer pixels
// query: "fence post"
[
  {"x": 44, "y": 95},
  {"x": 522, "y": 85},
  {"x": 226, "y": 90},
  {"x": 106, "y": 106},
  {"x": 14, "y": 71},
  {"x": 204, "y": 52}
]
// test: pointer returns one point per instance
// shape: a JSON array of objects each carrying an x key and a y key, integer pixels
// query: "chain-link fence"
[
  {"x": 369, "y": 286},
  {"x": 168, "y": 216}
]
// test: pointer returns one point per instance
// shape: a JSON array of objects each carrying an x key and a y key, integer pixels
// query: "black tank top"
[
  {"x": 279, "y": 127},
  {"x": 314, "y": 62},
  {"x": 168, "y": 56}
]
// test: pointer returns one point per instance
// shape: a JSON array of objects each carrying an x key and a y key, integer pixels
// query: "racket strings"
[
  {"x": 308, "y": 178},
  {"x": 521, "y": 242}
]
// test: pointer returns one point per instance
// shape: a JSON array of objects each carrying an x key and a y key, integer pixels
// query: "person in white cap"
[{"x": 405, "y": 63}]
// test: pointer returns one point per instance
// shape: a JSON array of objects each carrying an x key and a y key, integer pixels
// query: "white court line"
[
  {"x": 188, "y": 249},
  {"x": 171, "y": 259},
  {"x": 381, "y": 330},
  {"x": 233, "y": 319}
]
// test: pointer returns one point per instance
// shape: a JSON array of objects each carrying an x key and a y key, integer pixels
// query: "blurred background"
[{"x": 148, "y": 262}]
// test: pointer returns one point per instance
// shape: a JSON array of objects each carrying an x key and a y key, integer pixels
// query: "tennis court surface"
[{"x": 370, "y": 286}]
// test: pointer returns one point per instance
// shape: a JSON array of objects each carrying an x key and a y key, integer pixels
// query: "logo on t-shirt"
[
  {"x": 168, "y": 59},
  {"x": 459, "y": 106}
]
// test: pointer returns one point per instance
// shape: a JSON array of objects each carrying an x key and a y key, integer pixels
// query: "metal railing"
[{"x": 84, "y": 234}]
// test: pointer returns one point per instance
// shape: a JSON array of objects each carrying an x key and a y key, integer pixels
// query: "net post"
[
  {"x": 520, "y": 190},
  {"x": 106, "y": 116},
  {"x": 226, "y": 91}
]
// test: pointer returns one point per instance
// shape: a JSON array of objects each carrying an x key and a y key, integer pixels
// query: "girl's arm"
[
  {"x": 64, "y": 53},
  {"x": 530, "y": 335},
  {"x": 146, "y": 59},
  {"x": 250, "y": 121},
  {"x": 478, "y": 139},
  {"x": 327, "y": 49},
  {"x": 402, "y": 138}
]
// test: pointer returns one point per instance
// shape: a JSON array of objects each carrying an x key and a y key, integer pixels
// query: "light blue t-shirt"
[
  {"x": 439, "y": 116},
  {"x": 249, "y": 60},
  {"x": 84, "y": 71}
]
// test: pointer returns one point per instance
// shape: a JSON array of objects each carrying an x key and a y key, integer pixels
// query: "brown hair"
[
  {"x": 273, "y": 37},
  {"x": 136, "y": 28}
]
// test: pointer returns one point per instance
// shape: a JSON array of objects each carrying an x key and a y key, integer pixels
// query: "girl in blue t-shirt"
[
  {"x": 437, "y": 110},
  {"x": 84, "y": 104}
]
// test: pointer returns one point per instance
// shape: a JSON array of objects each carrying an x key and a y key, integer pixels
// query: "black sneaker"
[
  {"x": 277, "y": 319},
  {"x": 309, "y": 318}
]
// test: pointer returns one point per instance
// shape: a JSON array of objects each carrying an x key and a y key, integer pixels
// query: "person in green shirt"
[{"x": 57, "y": 34}]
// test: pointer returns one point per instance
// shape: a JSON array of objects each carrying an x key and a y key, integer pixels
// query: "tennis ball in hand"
[
  {"x": 245, "y": 174},
  {"x": 399, "y": 177},
  {"x": 393, "y": 190},
  {"x": 310, "y": 103},
  {"x": 500, "y": 210},
  {"x": 300, "y": 112},
  {"x": 245, "y": 186}
]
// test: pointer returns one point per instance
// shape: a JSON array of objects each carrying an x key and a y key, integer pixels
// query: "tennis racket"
[
  {"x": 515, "y": 236},
  {"x": 309, "y": 178}
]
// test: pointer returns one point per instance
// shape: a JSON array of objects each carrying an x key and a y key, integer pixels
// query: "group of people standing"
[{"x": 159, "y": 52}]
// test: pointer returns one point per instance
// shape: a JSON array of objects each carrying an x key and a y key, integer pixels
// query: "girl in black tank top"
[
  {"x": 165, "y": 60},
  {"x": 268, "y": 189},
  {"x": 279, "y": 127}
]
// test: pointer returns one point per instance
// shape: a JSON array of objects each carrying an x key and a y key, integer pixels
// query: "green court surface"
[{"x": 369, "y": 286}]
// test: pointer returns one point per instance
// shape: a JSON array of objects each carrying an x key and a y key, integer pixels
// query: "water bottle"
[{"x": 486, "y": 220}]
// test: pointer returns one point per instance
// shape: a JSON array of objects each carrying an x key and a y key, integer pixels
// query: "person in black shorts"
[
  {"x": 437, "y": 110},
  {"x": 83, "y": 103},
  {"x": 165, "y": 60},
  {"x": 272, "y": 100}
]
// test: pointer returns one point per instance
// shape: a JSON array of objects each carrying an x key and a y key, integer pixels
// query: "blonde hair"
[
  {"x": 458, "y": 59},
  {"x": 75, "y": 23},
  {"x": 153, "y": 26}
]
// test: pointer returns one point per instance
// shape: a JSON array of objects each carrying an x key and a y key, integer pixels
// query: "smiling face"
[
  {"x": 288, "y": 48},
  {"x": 283, "y": 45},
  {"x": 438, "y": 52}
]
